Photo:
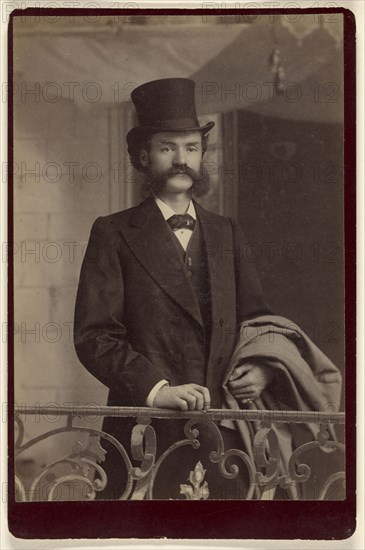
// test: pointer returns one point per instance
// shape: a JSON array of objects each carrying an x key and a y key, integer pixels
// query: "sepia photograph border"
[{"x": 328, "y": 520}]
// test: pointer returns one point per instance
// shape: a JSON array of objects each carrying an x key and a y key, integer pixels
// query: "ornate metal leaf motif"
[
  {"x": 91, "y": 449},
  {"x": 199, "y": 489},
  {"x": 85, "y": 450}
]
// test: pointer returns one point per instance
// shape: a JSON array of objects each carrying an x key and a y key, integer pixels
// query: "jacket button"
[
  {"x": 177, "y": 358},
  {"x": 190, "y": 273},
  {"x": 220, "y": 360},
  {"x": 221, "y": 322}
]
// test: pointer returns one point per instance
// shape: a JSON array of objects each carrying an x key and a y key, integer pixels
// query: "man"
[{"x": 163, "y": 291}]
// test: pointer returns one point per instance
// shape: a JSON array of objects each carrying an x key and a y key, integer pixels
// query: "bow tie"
[{"x": 180, "y": 221}]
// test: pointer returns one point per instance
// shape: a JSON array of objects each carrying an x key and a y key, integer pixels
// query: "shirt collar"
[{"x": 167, "y": 212}]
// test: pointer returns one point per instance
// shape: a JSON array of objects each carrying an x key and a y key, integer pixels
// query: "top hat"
[{"x": 166, "y": 105}]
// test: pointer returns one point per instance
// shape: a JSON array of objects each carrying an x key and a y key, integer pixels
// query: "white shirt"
[{"x": 184, "y": 236}]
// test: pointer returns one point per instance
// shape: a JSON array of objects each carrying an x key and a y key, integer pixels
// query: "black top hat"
[{"x": 166, "y": 105}]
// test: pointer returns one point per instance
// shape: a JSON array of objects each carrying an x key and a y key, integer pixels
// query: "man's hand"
[
  {"x": 188, "y": 397},
  {"x": 247, "y": 382}
]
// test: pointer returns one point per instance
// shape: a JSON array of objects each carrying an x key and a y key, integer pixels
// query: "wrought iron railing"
[{"x": 83, "y": 464}]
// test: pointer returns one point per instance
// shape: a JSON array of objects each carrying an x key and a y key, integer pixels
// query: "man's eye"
[
  {"x": 192, "y": 149},
  {"x": 166, "y": 149}
]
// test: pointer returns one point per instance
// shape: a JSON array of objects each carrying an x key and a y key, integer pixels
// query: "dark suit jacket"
[{"x": 137, "y": 319}]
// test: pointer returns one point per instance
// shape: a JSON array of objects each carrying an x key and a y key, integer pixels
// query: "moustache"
[
  {"x": 181, "y": 170},
  {"x": 157, "y": 182}
]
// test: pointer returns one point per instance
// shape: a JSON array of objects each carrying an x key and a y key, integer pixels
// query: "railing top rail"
[{"x": 297, "y": 417}]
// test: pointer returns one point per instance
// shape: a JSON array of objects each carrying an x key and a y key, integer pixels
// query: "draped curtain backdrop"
[{"x": 218, "y": 54}]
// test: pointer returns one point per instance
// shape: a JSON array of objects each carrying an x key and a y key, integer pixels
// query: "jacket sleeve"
[
  {"x": 99, "y": 332},
  {"x": 249, "y": 295}
]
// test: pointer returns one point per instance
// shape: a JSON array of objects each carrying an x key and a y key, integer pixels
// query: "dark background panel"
[{"x": 290, "y": 205}]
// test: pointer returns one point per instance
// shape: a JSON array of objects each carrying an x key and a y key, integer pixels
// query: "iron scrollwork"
[{"x": 83, "y": 465}]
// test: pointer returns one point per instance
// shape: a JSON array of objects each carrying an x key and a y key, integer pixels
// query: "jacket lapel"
[{"x": 151, "y": 241}]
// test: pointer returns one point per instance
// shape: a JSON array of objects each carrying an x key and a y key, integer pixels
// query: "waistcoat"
[{"x": 195, "y": 260}]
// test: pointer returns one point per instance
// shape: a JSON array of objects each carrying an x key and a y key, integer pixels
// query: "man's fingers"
[
  {"x": 246, "y": 401},
  {"x": 243, "y": 382},
  {"x": 250, "y": 391},
  {"x": 204, "y": 392},
  {"x": 190, "y": 399},
  {"x": 181, "y": 404},
  {"x": 240, "y": 371},
  {"x": 198, "y": 401},
  {"x": 186, "y": 397},
  {"x": 199, "y": 398}
]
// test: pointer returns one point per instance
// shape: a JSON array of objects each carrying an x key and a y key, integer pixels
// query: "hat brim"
[{"x": 136, "y": 133}]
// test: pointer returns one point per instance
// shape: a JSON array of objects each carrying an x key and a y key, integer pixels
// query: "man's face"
[{"x": 174, "y": 158}]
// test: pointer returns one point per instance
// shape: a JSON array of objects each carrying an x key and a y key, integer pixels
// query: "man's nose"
[{"x": 179, "y": 157}]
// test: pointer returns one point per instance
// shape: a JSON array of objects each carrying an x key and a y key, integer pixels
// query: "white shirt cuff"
[{"x": 151, "y": 396}]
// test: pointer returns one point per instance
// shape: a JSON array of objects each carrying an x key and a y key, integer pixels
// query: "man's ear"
[{"x": 143, "y": 158}]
